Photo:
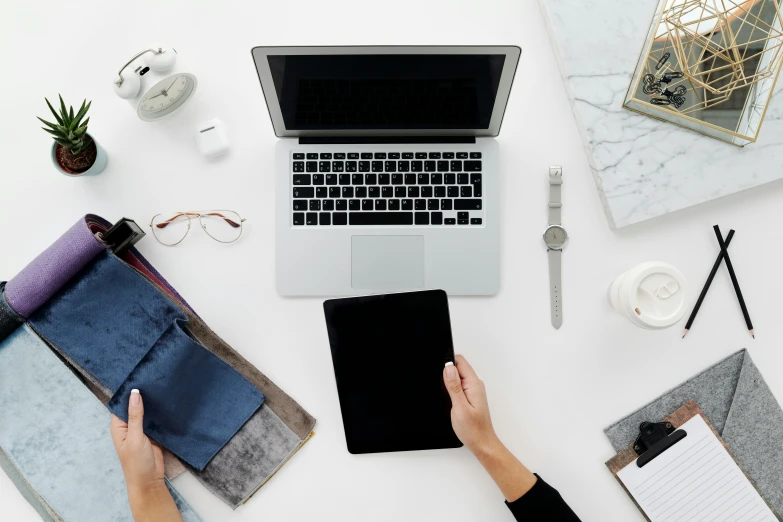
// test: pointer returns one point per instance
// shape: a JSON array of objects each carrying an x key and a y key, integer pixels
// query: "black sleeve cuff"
[{"x": 543, "y": 503}]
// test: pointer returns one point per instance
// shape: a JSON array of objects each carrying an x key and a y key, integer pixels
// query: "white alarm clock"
[{"x": 154, "y": 84}]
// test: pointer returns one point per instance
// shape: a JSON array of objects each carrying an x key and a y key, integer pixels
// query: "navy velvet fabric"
[
  {"x": 9, "y": 320},
  {"x": 119, "y": 327}
]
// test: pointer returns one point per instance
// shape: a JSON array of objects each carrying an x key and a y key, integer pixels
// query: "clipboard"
[{"x": 655, "y": 438}]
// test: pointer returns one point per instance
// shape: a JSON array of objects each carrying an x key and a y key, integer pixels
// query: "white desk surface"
[{"x": 550, "y": 391}]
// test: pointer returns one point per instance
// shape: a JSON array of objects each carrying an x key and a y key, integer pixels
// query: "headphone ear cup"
[
  {"x": 162, "y": 62},
  {"x": 131, "y": 84}
]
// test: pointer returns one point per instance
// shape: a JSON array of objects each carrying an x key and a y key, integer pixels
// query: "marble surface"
[{"x": 644, "y": 168}]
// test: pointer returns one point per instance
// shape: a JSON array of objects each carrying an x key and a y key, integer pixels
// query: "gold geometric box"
[{"x": 710, "y": 66}]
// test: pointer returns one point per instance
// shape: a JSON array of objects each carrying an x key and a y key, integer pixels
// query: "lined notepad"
[{"x": 696, "y": 480}]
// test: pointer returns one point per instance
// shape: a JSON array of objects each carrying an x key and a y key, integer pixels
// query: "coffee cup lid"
[{"x": 657, "y": 295}]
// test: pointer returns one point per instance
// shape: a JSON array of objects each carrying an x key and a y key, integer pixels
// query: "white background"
[{"x": 551, "y": 392}]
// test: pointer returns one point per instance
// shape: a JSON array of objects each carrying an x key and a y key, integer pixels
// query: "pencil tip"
[
  {"x": 753, "y": 334},
  {"x": 684, "y": 333}
]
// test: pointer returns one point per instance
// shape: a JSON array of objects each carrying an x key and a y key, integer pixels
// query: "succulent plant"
[{"x": 69, "y": 131}]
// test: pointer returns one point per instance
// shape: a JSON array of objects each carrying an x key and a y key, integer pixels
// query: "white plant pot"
[{"x": 100, "y": 161}]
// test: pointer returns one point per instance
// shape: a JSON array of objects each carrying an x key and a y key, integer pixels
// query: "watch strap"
[
  {"x": 555, "y": 204},
  {"x": 555, "y": 287}
]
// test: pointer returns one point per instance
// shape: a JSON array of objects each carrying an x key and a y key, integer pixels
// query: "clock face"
[
  {"x": 166, "y": 96},
  {"x": 555, "y": 237}
]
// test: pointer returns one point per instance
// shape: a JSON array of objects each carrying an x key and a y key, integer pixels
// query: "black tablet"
[{"x": 388, "y": 353}]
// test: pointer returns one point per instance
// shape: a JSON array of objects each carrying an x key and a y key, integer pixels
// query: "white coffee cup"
[{"x": 652, "y": 295}]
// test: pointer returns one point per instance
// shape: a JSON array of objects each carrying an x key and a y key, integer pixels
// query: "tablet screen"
[{"x": 388, "y": 353}]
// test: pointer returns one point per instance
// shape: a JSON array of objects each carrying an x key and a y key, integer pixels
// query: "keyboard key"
[
  {"x": 394, "y": 204},
  {"x": 462, "y": 155},
  {"x": 370, "y": 179},
  {"x": 377, "y": 166},
  {"x": 420, "y": 204},
  {"x": 380, "y": 218},
  {"x": 361, "y": 192},
  {"x": 434, "y": 155},
  {"x": 384, "y": 179},
  {"x": 298, "y": 218},
  {"x": 324, "y": 166},
  {"x": 304, "y": 192},
  {"x": 463, "y": 215},
  {"x": 312, "y": 166},
  {"x": 327, "y": 204},
  {"x": 407, "y": 155},
  {"x": 311, "y": 218},
  {"x": 429, "y": 166},
  {"x": 445, "y": 204},
  {"x": 339, "y": 218},
  {"x": 334, "y": 192},
  {"x": 387, "y": 192},
  {"x": 448, "y": 155},
  {"x": 366, "y": 155},
  {"x": 353, "y": 155},
  {"x": 456, "y": 165},
  {"x": 450, "y": 179},
  {"x": 432, "y": 204},
  {"x": 404, "y": 166},
  {"x": 463, "y": 221},
  {"x": 394, "y": 155},
  {"x": 443, "y": 166},
  {"x": 367, "y": 204},
  {"x": 326, "y": 155},
  {"x": 299, "y": 166},
  {"x": 475, "y": 155},
  {"x": 390, "y": 166},
  {"x": 475, "y": 180},
  {"x": 339, "y": 155},
  {"x": 421, "y": 155},
  {"x": 417, "y": 166},
  {"x": 364, "y": 166},
  {"x": 300, "y": 204},
  {"x": 472, "y": 166},
  {"x": 440, "y": 192},
  {"x": 462, "y": 179},
  {"x": 354, "y": 204},
  {"x": 380, "y": 204},
  {"x": 413, "y": 192},
  {"x": 338, "y": 166},
  {"x": 324, "y": 218},
  {"x": 351, "y": 166},
  {"x": 467, "y": 204},
  {"x": 331, "y": 179},
  {"x": 400, "y": 192},
  {"x": 436, "y": 218},
  {"x": 450, "y": 221},
  {"x": 453, "y": 192},
  {"x": 357, "y": 179},
  {"x": 312, "y": 155},
  {"x": 375, "y": 192},
  {"x": 301, "y": 179},
  {"x": 426, "y": 192},
  {"x": 466, "y": 192},
  {"x": 423, "y": 179},
  {"x": 345, "y": 179},
  {"x": 321, "y": 192},
  {"x": 436, "y": 179},
  {"x": 380, "y": 155},
  {"x": 298, "y": 155},
  {"x": 475, "y": 221},
  {"x": 407, "y": 204},
  {"x": 410, "y": 179},
  {"x": 318, "y": 179},
  {"x": 342, "y": 204},
  {"x": 396, "y": 179},
  {"x": 315, "y": 204},
  {"x": 422, "y": 218}
]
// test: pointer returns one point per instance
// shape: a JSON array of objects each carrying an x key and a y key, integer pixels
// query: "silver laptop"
[{"x": 387, "y": 171}]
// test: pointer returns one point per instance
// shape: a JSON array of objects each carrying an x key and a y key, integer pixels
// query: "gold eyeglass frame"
[{"x": 197, "y": 213}]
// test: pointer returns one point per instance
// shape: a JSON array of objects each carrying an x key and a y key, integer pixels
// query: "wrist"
[{"x": 488, "y": 448}]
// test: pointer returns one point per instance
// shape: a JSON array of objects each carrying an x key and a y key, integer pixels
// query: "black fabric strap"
[{"x": 542, "y": 503}]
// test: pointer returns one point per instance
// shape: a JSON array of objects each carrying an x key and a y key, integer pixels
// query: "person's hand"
[{"x": 469, "y": 408}]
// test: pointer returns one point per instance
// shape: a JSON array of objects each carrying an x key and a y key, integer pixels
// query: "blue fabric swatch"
[
  {"x": 55, "y": 433},
  {"x": 114, "y": 323}
]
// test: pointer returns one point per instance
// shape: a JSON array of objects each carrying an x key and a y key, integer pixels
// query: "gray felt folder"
[{"x": 739, "y": 404}]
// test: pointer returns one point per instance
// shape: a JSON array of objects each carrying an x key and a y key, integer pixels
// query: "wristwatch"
[{"x": 555, "y": 238}]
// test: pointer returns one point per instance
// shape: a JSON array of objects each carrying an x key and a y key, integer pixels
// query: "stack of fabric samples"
[{"x": 80, "y": 327}]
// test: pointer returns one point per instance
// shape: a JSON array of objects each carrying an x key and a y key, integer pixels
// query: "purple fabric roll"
[{"x": 48, "y": 272}]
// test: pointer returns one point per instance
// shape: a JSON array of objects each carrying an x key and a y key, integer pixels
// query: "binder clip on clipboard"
[{"x": 655, "y": 438}]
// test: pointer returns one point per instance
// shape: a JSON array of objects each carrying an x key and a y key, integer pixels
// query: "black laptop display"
[{"x": 389, "y": 352}]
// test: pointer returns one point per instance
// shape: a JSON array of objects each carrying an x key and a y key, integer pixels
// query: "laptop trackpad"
[{"x": 387, "y": 262}]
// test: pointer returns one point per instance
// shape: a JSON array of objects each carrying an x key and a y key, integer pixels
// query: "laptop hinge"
[{"x": 353, "y": 140}]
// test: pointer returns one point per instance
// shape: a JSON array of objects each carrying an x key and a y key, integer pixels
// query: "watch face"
[
  {"x": 555, "y": 237},
  {"x": 166, "y": 96}
]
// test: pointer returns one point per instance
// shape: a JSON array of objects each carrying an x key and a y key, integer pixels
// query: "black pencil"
[
  {"x": 734, "y": 281},
  {"x": 706, "y": 286}
]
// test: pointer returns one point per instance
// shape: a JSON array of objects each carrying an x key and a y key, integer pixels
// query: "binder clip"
[
  {"x": 124, "y": 234},
  {"x": 655, "y": 438}
]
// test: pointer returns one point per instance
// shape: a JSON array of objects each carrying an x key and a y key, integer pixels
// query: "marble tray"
[{"x": 645, "y": 168}]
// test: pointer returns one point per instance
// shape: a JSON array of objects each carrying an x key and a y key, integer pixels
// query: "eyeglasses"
[{"x": 224, "y": 226}]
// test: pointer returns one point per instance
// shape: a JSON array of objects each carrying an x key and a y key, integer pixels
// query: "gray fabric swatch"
[
  {"x": 24, "y": 488},
  {"x": 9, "y": 320},
  {"x": 739, "y": 404}
]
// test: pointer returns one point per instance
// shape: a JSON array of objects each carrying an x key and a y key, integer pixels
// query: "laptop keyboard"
[{"x": 387, "y": 188}]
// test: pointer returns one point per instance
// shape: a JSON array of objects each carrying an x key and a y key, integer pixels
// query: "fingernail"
[
  {"x": 135, "y": 397},
  {"x": 451, "y": 371}
]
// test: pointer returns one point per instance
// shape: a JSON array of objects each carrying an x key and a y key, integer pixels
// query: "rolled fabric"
[
  {"x": 9, "y": 320},
  {"x": 55, "y": 266}
]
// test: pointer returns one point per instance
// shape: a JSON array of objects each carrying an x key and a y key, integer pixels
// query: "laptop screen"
[{"x": 386, "y": 91}]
